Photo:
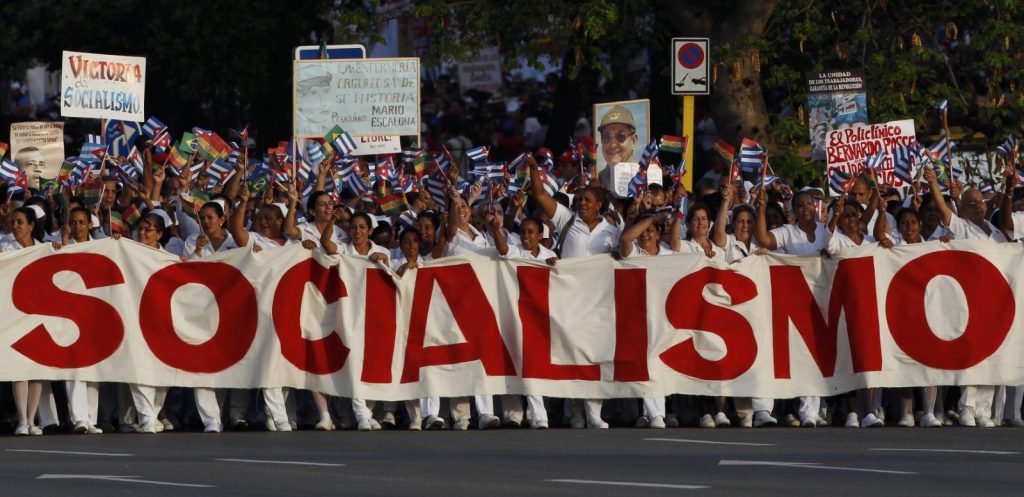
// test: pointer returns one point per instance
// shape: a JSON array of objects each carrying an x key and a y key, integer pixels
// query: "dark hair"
[
  {"x": 743, "y": 208},
  {"x": 908, "y": 211},
  {"x": 80, "y": 210},
  {"x": 432, "y": 216},
  {"x": 312, "y": 202},
  {"x": 38, "y": 230},
  {"x": 792, "y": 202},
  {"x": 365, "y": 216},
  {"x": 693, "y": 210},
  {"x": 42, "y": 205},
  {"x": 158, "y": 223},
  {"x": 411, "y": 231},
  {"x": 540, "y": 225},
  {"x": 215, "y": 206}
]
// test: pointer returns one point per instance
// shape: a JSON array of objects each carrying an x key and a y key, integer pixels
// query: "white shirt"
[
  {"x": 309, "y": 231},
  {"x": 400, "y": 260},
  {"x": 517, "y": 252},
  {"x": 190, "y": 246},
  {"x": 1018, "y": 225},
  {"x": 349, "y": 249},
  {"x": 962, "y": 229},
  {"x": 735, "y": 250},
  {"x": 267, "y": 243},
  {"x": 940, "y": 231},
  {"x": 10, "y": 244},
  {"x": 663, "y": 249},
  {"x": 838, "y": 241},
  {"x": 581, "y": 241},
  {"x": 792, "y": 240},
  {"x": 889, "y": 219},
  {"x": 463, "y": 242}
]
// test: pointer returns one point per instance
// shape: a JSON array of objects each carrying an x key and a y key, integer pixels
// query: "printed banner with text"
[
  {"x": 768, "y": 326},
  {"x": 103, "y": 86}
]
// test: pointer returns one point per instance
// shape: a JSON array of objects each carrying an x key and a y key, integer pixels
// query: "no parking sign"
[{"x": 690, "y": 66}]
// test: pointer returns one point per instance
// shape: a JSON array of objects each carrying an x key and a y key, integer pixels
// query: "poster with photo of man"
[
  {"x": 38, "y": 149},
  {"x": 623, "y": 130}
]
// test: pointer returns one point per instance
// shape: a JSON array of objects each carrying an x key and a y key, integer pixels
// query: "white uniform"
[
  {"x": 83, "y": 396},
  {"x": 309, "y": 231},
  {"x": 426, "y": 407},
  {"x": 581, "y": 241},
  {"x": 977, "y": 398},
  {"x": 790, "y": 239},
  {"x": 838, "y": 241},
  {"x": 654, "y": 407}
]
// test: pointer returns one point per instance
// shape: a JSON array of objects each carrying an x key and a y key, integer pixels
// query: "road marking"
[
  {"x": 70, "y": 452},
  {"x": 261, "y": 461},
  {"x": 120, "y": 479},
  {"x": 710, "y": 442},
  {"x": 630, "y": 484},
  {"x": 965, "y": 451},
  {"x": 809, "y": 465}
]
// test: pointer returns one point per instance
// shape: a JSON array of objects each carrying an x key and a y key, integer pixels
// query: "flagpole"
[{"x": 949, "y": 150}]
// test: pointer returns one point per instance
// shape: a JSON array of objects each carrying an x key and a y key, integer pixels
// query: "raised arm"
[
  {"x": 882, "y": 229},
  {"x": 940, "y": 203},
  {"x": 238, "y": 231},
  {"x": 452, "y": 228},
  {"x": 630, "y": 234},
  {"x": 764, "y": 237},
  {"x": 1006, "y": 208},
  {"x": 326, "y": 237},
  {"x": 837, "y": 210},
  {"x": 290, "y": 227},
  {"x": 718, "y": 234},
  {"x": 498, "y": 233},
  {"x": 546, "y": 202}
]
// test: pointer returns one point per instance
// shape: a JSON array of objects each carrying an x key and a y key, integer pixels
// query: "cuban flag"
[
  {"x": 315, "y": 154},
  {"x": 938, "y": 150},
  {"x": 92, "y": 145},
  {"x": 517, "y": 163},
  {"x": 638, "y": 184},
  {"x": 344, "y": 143},
  {"x": 650, "y": 152},
  {"x": 840, "y": 181},
  {"x": 355, "y": 183},
  {"x": 120, "y": 136},
  {"x": 547, "y": 159},
  {"x": 345, "y": 167},
  {"x": 752, "y": 156},
  {"x": 477, "y": 154},
  {"x": 876, "y": 161},
  {"x": 768, "y": 181},
  {"x": 153, "y": 127},
  {"x": 495, "y": 171},
  {"x": 1007, "y": 147},
  {"x": 436, "y": 187},
  {"x": 443, "y": 159},
  {"x": 407, "y": 219},
  {"x": 903, "y": 164},
  {"x": 9, "y": 171}
]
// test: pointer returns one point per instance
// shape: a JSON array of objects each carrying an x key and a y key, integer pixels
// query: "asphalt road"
[{"x": 561, "y": 462}]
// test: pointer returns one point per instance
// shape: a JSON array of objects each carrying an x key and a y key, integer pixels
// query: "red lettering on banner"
[
  {"x": 534, "y": 312},
  {"x": 236, "y": 329},
  {"x": 853, "y": 293},
  {"x": 321, "y": 356},
  {"x": 100, "y": 329},
  {"x": 472, "y": 312},
  {"x": 379, "y": 327},
  {"x": 990, "y": 309},
  {"x": 687, "y": 309},
  {"x": 631, "y": 325}
]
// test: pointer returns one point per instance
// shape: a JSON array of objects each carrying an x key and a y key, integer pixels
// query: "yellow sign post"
[{"x": 689, "y": 77}]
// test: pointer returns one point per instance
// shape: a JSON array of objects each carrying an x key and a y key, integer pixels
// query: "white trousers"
[
  {"x": 511, "y": 407},
  {"x": 590, "y": 407},
  {"x": 209, "y": 400},
  {"x": 83, "y": 401},
  {"x": 654, "y": 407},
  {"x": 535, "y": 403},
  {"x": 430, "y": 406},
  {"x": 148, "y": 402},
  {"x": 978, "y": 397},
  {"x": 808, "y": 408},
  {"x": 47, "y": 407},
  {"x": 276, "y": 401}
]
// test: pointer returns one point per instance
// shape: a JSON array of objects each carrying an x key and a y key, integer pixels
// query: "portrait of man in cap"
[
  {"x": 622, "y": 132},
  {"x": 313, "y": 92}
]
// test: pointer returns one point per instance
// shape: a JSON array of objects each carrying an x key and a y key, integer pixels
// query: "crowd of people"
[{"x": 536, "y": 206}]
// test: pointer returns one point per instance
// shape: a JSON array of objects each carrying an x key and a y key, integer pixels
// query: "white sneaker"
[
  {"x": 906, "y": 421},
  {"x": 967, "y": 417},
  {"x": 81, "y": 427},
  {"x": 375, "y": 425},
  {"x": 985, "y": 422},
  {"x": 270, "y": 424},
  {"x": 763, "y": 418},
  {"x": 213, "y": 428},
  {"x": 657, "y": 423},
  {"x": 416, "y": 424},
  {"x": 791, "y": 421},
  {"x": 35, "y": 431},
  {"x": 852, "y": 421},
  {"x": 461, "y": 425},
  {"x": 600, "y": 424},
  {"x": 872, "y": 421},
  {"x": 93, "y": 430},
  {"x": 722, "y": 420},
  {"x": 21, "y": 430},
  {"x": 488, "y": 421},
  {"x": 364, "y": 425},
  {"x": 151, "y": 427},
  {"x": 930, "y": 421},
  {"x": 168, "y": 426},
  {"x": 643, "y": 422},
  {"x": 540, "y": 425},
  {"x": 434, "y": 422},
  {"x": 706, "y": 421},
  {"x": 324, "y": 425}
]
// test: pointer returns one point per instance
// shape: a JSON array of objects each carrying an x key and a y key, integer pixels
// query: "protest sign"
[
  {"x": 38, "y": 149},
  {"x": 774, "y": 325},
  {"x": 103, "y": 86},
  {"x": 377, "y": 145},
  {"x": 623, "y": 172},
  {"x": 835, "y": 100},
  {"x": 848, "y": 149},
  {"x": 482, "y": 73},
  {"x": 370, "y": 97}
]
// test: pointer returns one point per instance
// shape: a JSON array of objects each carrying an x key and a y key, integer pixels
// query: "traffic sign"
[{"x": 690, "y": 68}]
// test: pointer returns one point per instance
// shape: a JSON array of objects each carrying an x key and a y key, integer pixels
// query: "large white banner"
[
  {"x": 774, "y": 326},
  {"x": 371, "y": 97},
  {"x": 103, "y": 86}
]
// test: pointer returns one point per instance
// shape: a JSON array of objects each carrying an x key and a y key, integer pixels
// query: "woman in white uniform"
[
  {"x": 641, "y": 239},
  {"x": 360, "y": 246},
  {"x": 807, "y": 238},
  {"x": 83, "y": 396},
  {"x": 581, "y": 232},
  {"x": 736, "y": 246},
  {"x": 268, "y": 234},
  {"x": 531, "y": 231},
  {"x": 212, "y": 238},
  {"x": 27, "y": 232}
]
